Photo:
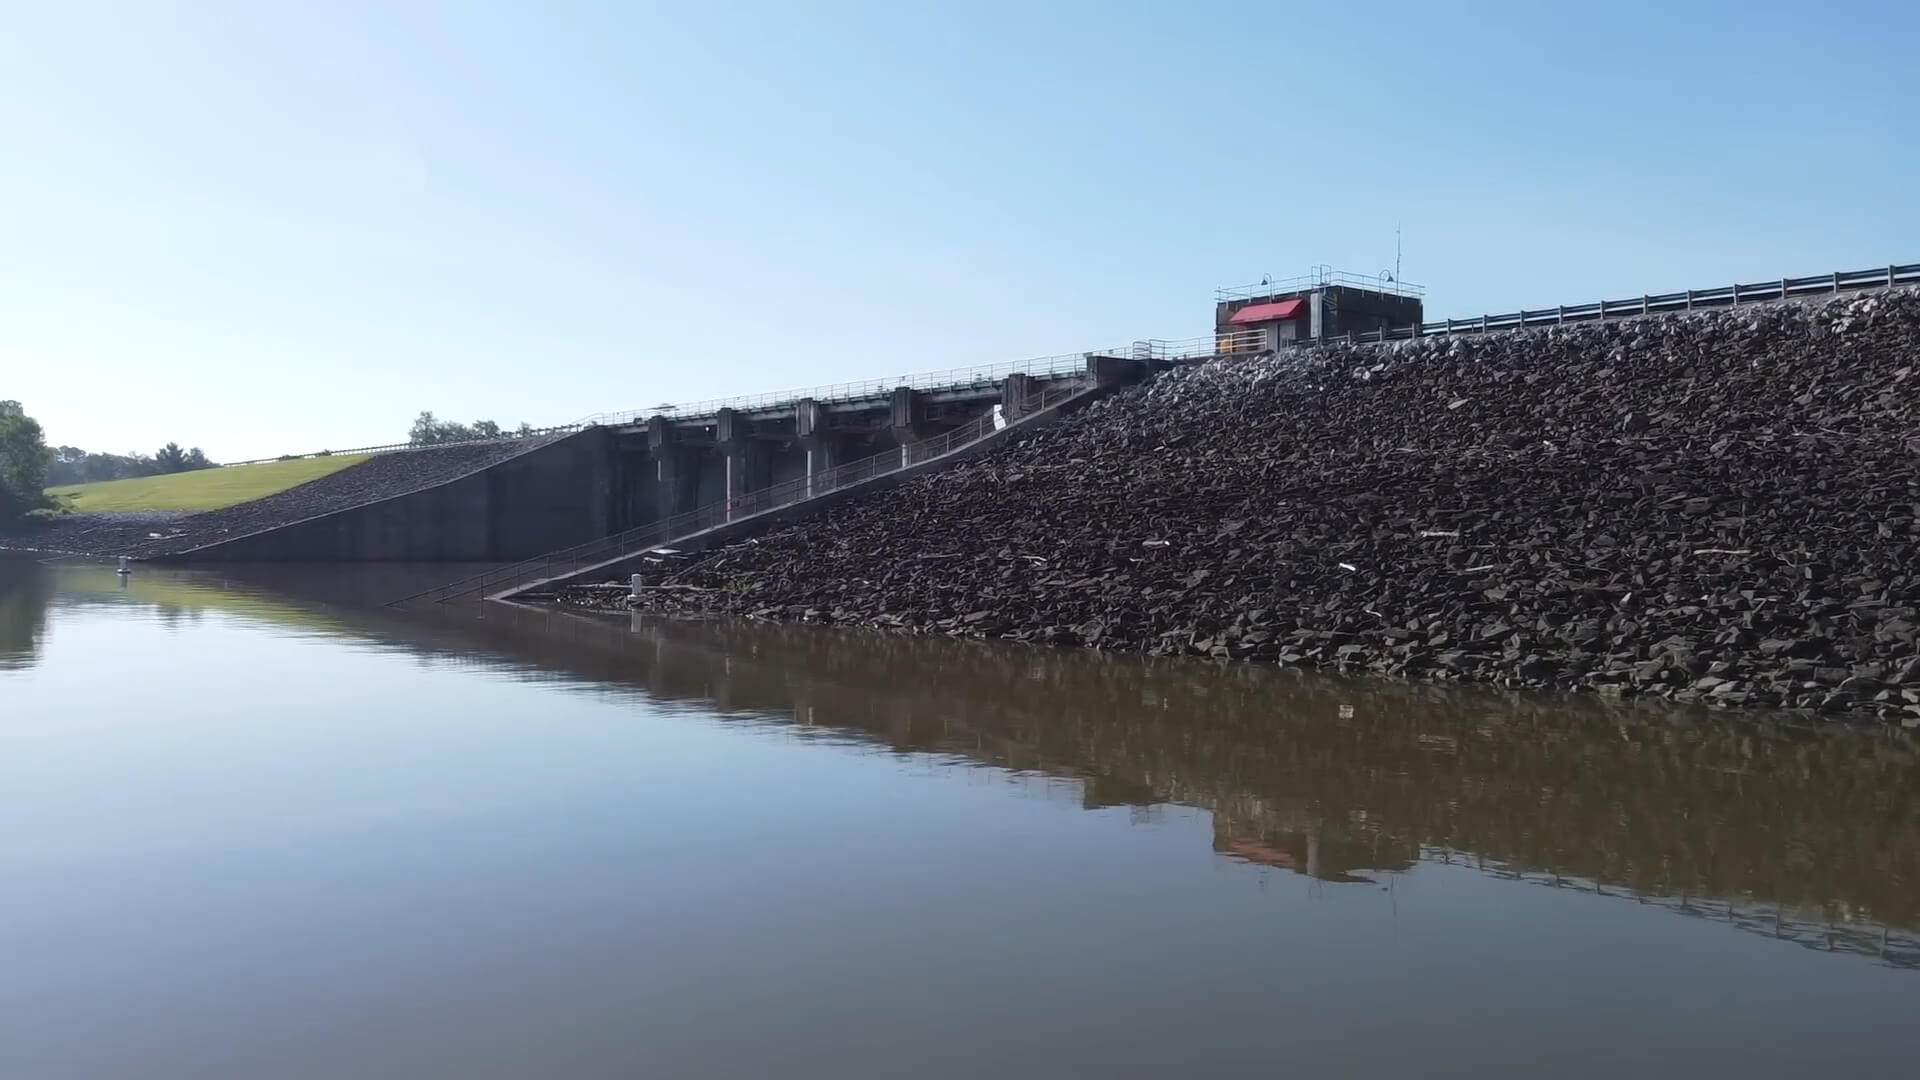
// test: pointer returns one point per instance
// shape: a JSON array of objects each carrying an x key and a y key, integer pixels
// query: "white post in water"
[
  {"x": 126, "y": 565},
  {"x": 633, "y": 586}
]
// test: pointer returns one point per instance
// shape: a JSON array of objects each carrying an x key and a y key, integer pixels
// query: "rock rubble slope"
[{"x": 1717, "y": 507}]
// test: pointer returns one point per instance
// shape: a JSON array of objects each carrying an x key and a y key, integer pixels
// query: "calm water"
[{"x": 257, "y": 827}]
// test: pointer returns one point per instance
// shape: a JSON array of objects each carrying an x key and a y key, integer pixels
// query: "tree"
[
  {"x": 170, "y": 458},
  {"x": 428, "y": 431},
  {"x": 24, "y": 458},
  {"x": 197, "y": 459}
]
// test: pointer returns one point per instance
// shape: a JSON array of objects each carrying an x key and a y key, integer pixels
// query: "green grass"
[{"x": 203, "y": 489}]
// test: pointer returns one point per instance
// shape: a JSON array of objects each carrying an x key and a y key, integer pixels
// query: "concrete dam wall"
[
  {"x": 1717, "y": 507},
  {"x": 535, "y": 500}
]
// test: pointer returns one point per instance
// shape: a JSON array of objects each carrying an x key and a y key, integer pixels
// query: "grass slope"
[{"x": 204, "y": 489}]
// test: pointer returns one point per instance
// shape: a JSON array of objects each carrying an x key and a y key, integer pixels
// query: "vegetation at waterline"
[
  {"x": 204, "y": 489},
  {"x": 23, "y": 462}
]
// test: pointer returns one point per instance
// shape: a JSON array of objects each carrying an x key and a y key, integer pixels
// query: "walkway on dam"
[{"x": 733, "y": 518}]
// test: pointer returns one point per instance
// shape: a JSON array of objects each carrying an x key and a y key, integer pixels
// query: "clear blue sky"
[{"x": 261, "y": 229}]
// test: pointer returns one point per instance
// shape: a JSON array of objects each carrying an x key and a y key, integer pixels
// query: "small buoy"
[
  {"x": 126, "y": 566},
  {"x": 633, "y": 586}
]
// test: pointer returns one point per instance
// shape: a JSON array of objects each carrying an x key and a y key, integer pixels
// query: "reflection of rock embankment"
[
  {"x": 1632, "y": 796},
  {"x": 1315, "y": 774}
]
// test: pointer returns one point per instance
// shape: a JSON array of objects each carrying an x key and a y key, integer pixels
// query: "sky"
[{"x": 264, "y": 229}]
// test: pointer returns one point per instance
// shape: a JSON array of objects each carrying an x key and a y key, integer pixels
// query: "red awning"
[{"x": 1259, "y": 313}]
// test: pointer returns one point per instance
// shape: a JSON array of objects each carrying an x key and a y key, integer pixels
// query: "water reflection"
[
  {"x": 1803, "y": 834},
  {"x": 23, "y": 612},
  {"x": 1808, "y": 836}
]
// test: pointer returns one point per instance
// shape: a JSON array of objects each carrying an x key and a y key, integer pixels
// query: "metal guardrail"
[
  {"x": 950, "y": 378},
  {"x": 395, "y": 448},
  {"x": 1226, "y": 344},
  {"x": 663, "y": 533},
  {"x": 1759, "y": 292},
  {"x": 1161, "y": 349},
  {"x": 1322, "y": 276}
]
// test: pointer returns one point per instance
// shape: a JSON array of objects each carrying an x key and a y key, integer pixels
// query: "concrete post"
[
  {"x": 1014, "y": 392},
  {"x": 808, "y": 418},
  {"x": 826, "y": 451},
  {"x": 814, "y": 429},
  {"x": 676, "y": 479},
  {"x": 1112, "y": 372},
  {"x": 749, "y": 466},
  {"x": 905, "y": 408},
  {"x": 905, "y": 419}
]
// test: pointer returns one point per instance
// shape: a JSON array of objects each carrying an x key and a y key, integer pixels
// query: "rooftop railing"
[{"x": 1320, "y": 277}]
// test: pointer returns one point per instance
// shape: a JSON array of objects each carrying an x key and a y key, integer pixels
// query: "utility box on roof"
[{"x": 1325, "y": 304}]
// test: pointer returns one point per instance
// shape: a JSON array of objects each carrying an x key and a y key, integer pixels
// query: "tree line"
[
  {"x": 28, "y": 466},
  {"x": 72, "y": 465},
  {"x": 429, "y": 430}
]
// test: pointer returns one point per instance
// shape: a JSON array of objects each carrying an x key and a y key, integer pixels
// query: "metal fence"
[
  {"x": 983, "y": 375},
  {"x": 1165, "y": 350},
  {"x": 1759, "y": 292},
  {"x": 663, "y": 533},
  {"x": 395, "y": 448},
  {"x": 949, "y": 379}
]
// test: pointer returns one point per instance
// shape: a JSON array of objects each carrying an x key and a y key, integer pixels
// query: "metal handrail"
[{"x": 663, "y": 533}]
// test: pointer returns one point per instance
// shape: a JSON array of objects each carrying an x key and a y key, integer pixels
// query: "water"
[{"x": 254, "y": 826}]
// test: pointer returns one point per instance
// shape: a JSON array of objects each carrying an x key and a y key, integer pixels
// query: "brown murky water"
[{"x": 256, "y": 826}]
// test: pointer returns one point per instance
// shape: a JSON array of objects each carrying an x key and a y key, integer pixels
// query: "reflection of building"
[
  {"x": 1308, "y": 851},
  {"x": 1323, "y": 304}
]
